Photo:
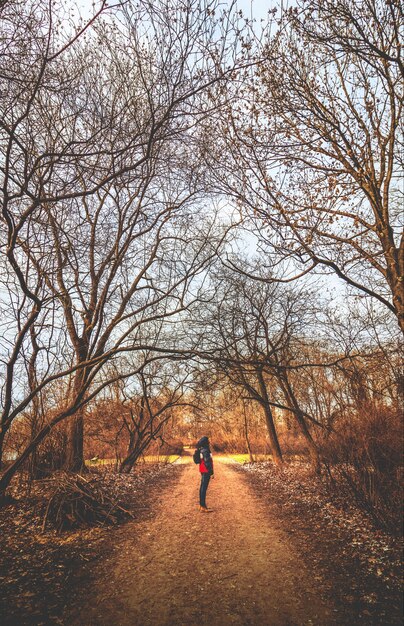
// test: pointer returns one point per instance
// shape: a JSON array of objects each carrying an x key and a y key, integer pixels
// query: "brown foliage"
[{"x": 365, "y": 457}]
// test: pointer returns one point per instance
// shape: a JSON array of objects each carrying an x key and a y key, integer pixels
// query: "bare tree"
[
  {"x": 314, "y": 146},
  {"x": 162, "y": 390},
  {"x": 31, "y": 77},
  {"x": 100, "y": 167},
  {"x": 257, "y": 331}
]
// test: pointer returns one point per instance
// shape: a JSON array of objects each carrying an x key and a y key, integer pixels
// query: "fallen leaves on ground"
[
  {"x": 357, "y": 564},
  {"x": 40, "y": 570}
]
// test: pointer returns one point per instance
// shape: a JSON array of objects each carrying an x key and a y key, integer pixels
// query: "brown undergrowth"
[
  {"x": 43, "y": 571},
  {"x": 360, "y": 563}
]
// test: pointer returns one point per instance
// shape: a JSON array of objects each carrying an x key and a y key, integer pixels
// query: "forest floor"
[{"x": 270, "y": 552}]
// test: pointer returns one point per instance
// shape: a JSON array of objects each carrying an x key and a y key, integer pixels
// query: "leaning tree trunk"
[
  {"x": 132, "y": 457},
  {"x": 273, "y": 437},
  {"x": 127, "y": 464},
  {"x": 299, "y": 416},
  {"x": 132, "y": 454}
]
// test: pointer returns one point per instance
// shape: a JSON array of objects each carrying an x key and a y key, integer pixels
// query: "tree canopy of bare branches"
[
  {"x": 100, "y": 171},
  {"x": 312, "y": 150}
]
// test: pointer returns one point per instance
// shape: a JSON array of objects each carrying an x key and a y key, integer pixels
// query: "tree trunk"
[
  {"x": 75, "y": 444},
  {"x": 311, "y": 445},
  {"x": 128, "y": 463},
  {"x": 247, "y": 440},
  {"x": 273, "y": 437},
  {"x": 75, "y": 432},
  {"x": 131, "y": 458},
  {"x": 35, "y": 472},
  {"x": 132, "y": 455},
  {"x": 18, "y": 463},
  {"x": 1, "y": 448},
  {"x": 299, "y": 416}
]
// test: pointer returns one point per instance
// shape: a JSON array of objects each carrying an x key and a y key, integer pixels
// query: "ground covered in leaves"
[
  {"x": 359, "y": 564},
  {"x": 41, "y": 570},
  {"x": 44, "y": 574}
]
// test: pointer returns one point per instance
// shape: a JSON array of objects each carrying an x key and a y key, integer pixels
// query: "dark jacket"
[{"x": 206, "y": 464}]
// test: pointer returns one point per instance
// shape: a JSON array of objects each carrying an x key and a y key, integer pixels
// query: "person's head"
[{"x": 203, "y": 442}]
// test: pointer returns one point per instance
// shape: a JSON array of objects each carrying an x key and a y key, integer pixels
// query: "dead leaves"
[
  {"x": 41, "y": 572},
  {"x": 357, "y": 565}
]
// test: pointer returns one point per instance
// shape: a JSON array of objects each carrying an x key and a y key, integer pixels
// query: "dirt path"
[{"x": 186, "y": 568}]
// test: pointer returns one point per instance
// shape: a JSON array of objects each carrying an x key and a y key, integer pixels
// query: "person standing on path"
[{"x": 206, "y": 470}]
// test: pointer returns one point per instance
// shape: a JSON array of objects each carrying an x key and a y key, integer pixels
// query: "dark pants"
[{"x": 205, "y": 478}]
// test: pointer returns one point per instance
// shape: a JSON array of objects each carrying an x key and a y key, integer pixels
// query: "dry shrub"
[
  {"x": 235, "y": 444},
  {"x": 365, "y": 458},
  {"x": 78, "y": 502},
  {"x": 292, "y": 443},
  {"x": 171, "y": 447},
  {"x": 223, "y": 444},
  {"x": 229, "y": 445},
  {"x": 50, "y": 455},
  {"x": 175, "y": 447}
]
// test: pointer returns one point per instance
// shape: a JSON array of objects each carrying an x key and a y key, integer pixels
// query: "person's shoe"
[{"x": 204, "y": 509}]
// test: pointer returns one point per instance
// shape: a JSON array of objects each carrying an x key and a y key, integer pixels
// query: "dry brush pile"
[{"x": 77, "y": 501}]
